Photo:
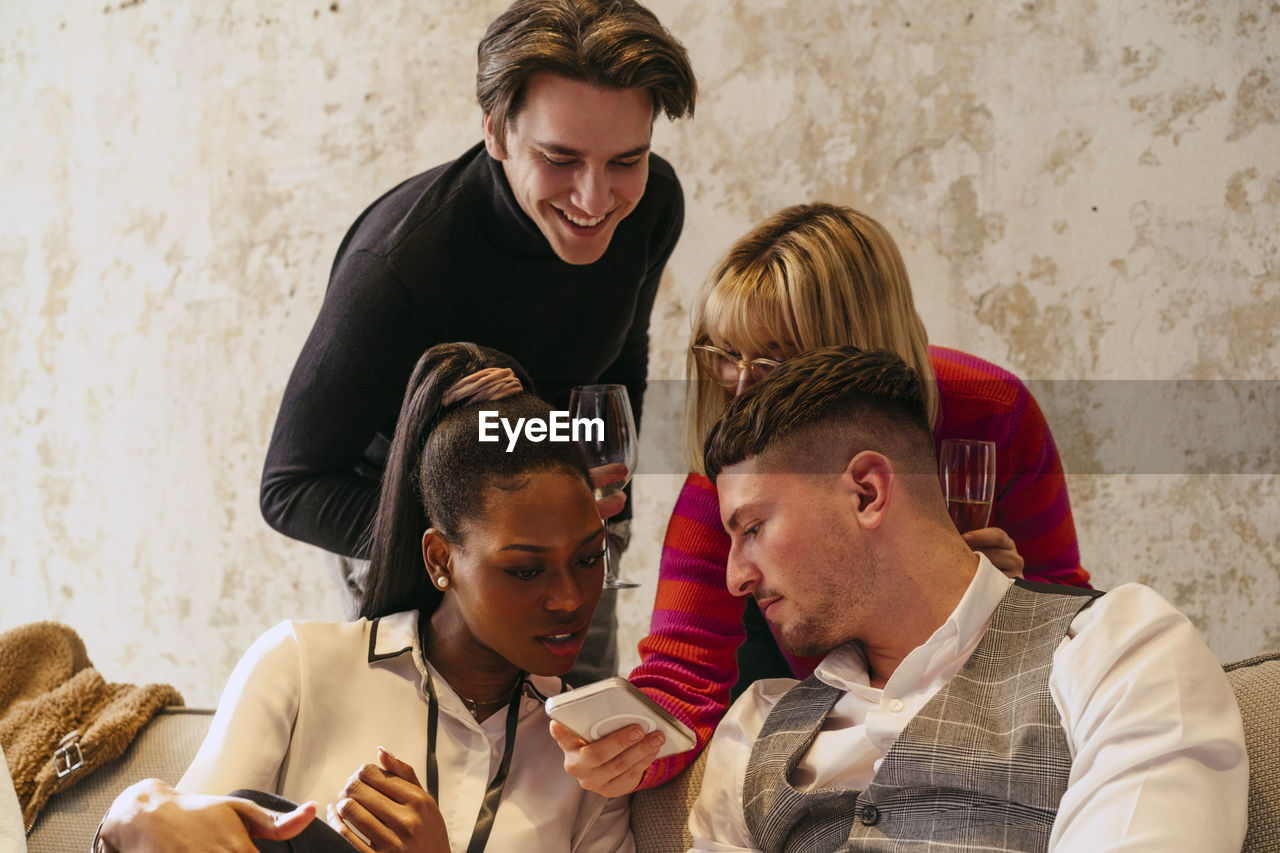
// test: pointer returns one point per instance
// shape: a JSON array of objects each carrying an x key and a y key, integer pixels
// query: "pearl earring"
[{"x": 442, "y": 582}]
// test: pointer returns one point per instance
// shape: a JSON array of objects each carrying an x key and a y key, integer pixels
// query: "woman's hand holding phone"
[
  {"x": 612, "y": 766},
  {"x": 601, "y": 728}
]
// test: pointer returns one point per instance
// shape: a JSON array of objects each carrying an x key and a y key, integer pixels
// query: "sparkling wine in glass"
[
  {"x": 606, "y": 435},
  {"x": 968, "y": 473}
]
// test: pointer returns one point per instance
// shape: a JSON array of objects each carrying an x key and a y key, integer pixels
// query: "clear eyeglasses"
[{"x": 726, "y": 369}]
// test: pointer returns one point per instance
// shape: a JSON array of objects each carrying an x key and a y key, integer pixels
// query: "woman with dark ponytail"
[{"x": 419, "y": 724}]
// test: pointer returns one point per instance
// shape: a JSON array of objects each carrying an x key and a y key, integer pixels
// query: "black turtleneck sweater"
[{"x": 449, "y": 255}]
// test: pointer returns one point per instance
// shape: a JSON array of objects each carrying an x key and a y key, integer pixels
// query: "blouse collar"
[{"x": 397, "y": 634}]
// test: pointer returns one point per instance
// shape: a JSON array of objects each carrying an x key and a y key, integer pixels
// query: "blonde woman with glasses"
[{"x": 811, "y": 276}]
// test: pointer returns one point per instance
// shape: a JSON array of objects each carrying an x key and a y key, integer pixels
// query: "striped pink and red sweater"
[{"x": 688, "y": 662}]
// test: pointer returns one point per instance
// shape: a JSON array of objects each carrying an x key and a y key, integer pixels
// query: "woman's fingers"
[
  {"x": 347, "y": 824},
  {"x": 372, "y": 777},
  {"x": 612, "y": 766},
  {"x": 603, "y": 475},
  {"x": 273, "y": 825},
  {"x": 397, "y": 768},
  {"x": 1000, "y": 549},
  {"x": 385, "y": 804}
]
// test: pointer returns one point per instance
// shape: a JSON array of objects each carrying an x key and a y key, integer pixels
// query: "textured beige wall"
[{"x": 1082, "y": 191}]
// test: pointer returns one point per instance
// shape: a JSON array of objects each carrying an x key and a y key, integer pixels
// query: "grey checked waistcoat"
[{"x": 982, "y": 766}]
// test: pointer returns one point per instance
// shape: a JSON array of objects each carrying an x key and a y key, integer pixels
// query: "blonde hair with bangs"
[{"x": 812, "y": 275}]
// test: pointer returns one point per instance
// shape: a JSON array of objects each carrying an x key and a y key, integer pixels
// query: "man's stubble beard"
[{"x": 824, "y": 630}]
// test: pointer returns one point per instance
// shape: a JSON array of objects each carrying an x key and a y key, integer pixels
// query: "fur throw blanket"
[{"x": 48, "y": 691}]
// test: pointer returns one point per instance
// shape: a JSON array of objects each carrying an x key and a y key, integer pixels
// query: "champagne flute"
[
  {"x": 607, "y": 434},
  {"x": 968, "y": 472}
]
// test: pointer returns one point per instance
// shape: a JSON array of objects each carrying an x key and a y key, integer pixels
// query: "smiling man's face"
[{"x": 577, "y": 159}]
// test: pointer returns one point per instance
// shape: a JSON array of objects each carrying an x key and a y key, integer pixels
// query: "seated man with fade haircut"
[{"x": 956, "y": 709}]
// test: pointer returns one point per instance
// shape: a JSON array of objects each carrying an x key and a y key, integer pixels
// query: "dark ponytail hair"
[{"x": 438, "y": 474}]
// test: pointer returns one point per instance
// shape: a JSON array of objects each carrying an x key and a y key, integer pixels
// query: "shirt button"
[
  {"x": 896, "y": 706},
  {"x": 870, "y": 815}
]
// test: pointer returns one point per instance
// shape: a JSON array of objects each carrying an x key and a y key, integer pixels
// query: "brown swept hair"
[{"x": 617, "y": 44}]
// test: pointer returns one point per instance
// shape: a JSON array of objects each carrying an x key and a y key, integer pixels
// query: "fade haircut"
[
  {"x": 617, "y": 44},
  {"x": 822, "y": 407}
]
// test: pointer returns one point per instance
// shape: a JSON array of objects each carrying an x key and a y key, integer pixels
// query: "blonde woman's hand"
[
  {"x": 999, "y": 548},
  {"x": 151, "y": 816},
  {"x": 384, "y": 808}
]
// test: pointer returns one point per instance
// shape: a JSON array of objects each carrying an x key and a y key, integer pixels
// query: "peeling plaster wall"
[{"x": 1087, "y": 193}]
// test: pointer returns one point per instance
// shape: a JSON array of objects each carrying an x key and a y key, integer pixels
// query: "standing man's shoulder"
[{"x": 415, "y": 206}]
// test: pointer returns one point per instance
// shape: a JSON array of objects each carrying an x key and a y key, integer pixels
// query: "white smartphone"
[{"x": 600, "y": 709}]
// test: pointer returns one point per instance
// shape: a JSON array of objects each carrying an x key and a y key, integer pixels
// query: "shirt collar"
[
  {"x": 980, "y": 600},
  {"x": 846, "y": 666},
  {"x": 392, "y": 636}
]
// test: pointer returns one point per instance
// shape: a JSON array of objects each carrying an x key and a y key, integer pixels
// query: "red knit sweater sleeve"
[
  {"x": 982, "y": 401},
  {"x": 688, "y": 663}
]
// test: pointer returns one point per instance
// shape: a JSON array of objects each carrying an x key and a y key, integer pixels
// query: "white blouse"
[
  {"x": 310, "y": 702},
  {"x": 1155, "y": 735}
]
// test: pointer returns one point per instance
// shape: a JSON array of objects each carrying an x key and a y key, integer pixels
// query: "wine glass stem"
[{"x": 611, "y": 578}]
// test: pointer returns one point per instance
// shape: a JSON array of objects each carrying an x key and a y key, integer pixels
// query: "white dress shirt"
[
  {"x": 310, "y": 702},
  {"x": 1157, "y": 746}
]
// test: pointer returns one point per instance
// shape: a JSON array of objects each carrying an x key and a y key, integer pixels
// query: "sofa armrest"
[{"x": 163, "y": 749}]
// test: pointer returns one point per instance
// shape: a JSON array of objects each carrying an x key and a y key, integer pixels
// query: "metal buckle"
[{"x": 68, "y": 758}]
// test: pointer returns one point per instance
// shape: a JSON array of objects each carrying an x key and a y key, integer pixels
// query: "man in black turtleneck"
[{"x": 546, "y": 241}]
